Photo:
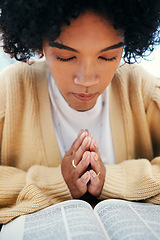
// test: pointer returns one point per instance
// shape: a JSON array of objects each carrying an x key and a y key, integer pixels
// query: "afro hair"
[{"x": 24, "y": 24}]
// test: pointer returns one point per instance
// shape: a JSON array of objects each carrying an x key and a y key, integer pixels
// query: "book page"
[
  {"x": 70, "y": 220},
  {"x": 13, "y": 230},
  {"x": 130, "y": 220}
]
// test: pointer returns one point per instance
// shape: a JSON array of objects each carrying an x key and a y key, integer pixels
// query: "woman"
[{"x": 78, "y": 122}]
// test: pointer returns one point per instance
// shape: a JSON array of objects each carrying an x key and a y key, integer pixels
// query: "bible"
[{"x": 76, "y": 220}]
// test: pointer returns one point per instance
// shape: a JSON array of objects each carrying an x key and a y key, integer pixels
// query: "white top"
[{"x": 68, "y": 122}]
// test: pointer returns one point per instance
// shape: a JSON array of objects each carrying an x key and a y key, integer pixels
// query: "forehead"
[{"x": 89, "y": 29}]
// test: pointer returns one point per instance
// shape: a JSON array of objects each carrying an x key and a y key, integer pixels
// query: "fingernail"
[
  {"x": 86, "y": 175},
  {"x": 91, "y": 136},
  {"x": 80, "y": 132},
  {"x": 93, "y": 174},
  {"x": 85, "y": 155},
  {"x": 96, "y": 157},
  {"x": 83, "y": 135},
  {"x": 86, "y": 130},
  {"x": 86, "y": 141},
  {"x": 95, "y": 143}
]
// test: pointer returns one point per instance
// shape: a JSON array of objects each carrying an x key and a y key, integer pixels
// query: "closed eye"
[
  {"x": 65, "y": 59},
  {"x": 107, "y": 59}
]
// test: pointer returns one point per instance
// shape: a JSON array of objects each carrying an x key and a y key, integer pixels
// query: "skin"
[{"x": 82, "y": 62}]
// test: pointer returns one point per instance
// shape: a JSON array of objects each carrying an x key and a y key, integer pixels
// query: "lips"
[{"x": 84, "y": 97}]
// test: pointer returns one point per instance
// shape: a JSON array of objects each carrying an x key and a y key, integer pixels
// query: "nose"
[{"x": 87, "y": 75}]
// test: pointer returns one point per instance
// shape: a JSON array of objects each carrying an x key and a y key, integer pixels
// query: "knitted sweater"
[{"x": 30, "y": 170}]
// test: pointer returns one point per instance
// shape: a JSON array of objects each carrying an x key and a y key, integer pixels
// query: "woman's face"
[{"x": 83, "y": 60}]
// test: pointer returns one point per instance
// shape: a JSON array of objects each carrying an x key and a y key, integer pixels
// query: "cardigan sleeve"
[
  {"x": 24, "y": 190},
  {"x": 139, "y": 179},
  {"x": 133, "y": 180}
]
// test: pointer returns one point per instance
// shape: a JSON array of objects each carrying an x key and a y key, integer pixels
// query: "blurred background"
[{"x": 152, "y": 64}]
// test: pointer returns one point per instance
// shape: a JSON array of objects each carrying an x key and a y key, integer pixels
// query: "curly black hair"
[{"x": 24, "y": 24}]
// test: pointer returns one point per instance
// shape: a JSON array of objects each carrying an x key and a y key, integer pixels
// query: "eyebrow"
[
  {"x": 62, "y": 46},
  {"x": 118, "y": 45}
]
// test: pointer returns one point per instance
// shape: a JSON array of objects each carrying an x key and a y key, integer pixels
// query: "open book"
[{"x": 76, "y": 220}]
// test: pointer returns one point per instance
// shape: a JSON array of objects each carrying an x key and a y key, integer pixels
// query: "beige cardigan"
[{"x": 30, "y": 171}]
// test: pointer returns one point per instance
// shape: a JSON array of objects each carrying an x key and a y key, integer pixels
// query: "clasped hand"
[{"x": 89, "y": 171}]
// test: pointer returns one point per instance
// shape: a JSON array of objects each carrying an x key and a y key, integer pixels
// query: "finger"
[
  {"x": 95, "y": 162},
  {"x": 93, "y": 186},
  {"x": 91, "y": 136},
  {"x": 76, "y": 144},
  {"x": 81, "y": 136},
  {"x": 83, "y": 148},
  {"x": 83, "y": 164},
  {"x": 87, "y": 131},
  {"x": 82, "y": 182},
  {"x": 93, "y": 178},
  {"x": 94, "y": 146},
  {"x": 80, "y": 132},
  {"x": 94, "y": 181}
]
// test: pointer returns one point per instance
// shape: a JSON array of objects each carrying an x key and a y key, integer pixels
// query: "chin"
[{"x": 83, "y": 108}]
